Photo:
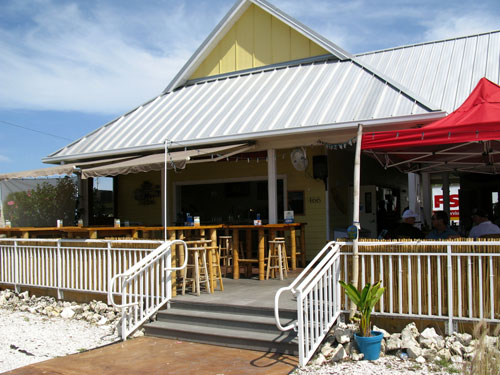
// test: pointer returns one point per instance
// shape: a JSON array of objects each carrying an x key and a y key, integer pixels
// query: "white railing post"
[
  {"x": 60, "y": 294},
  {"x": 450, "y": 289},
  {"x": 109, "y": 276},
  {"x": 17, "y": 287}
]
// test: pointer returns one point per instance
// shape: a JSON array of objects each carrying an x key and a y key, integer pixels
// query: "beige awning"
[
  {"x": 59, "y": 170},
  {"x": 156, "y": 162},
  {"x": 43, "y": 172}
]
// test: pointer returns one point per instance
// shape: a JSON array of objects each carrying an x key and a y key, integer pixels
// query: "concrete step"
[
  {"x": 234, "y": 320},
  {"x": 238, "y": 326},
  {"x": 234, "y": 309},
  {"x": 284, "y": 342}
]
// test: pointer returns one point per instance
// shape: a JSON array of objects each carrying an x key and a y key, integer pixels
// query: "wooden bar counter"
[{"x": 261, "y": 244}]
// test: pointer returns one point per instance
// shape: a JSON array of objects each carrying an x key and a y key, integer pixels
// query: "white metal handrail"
[
  {"x": 146, "y": 286},
  {"x": 318, "y": 300}
]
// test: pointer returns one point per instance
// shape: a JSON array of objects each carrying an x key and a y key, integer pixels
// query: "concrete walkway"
[{"x": 155, "y": 356}]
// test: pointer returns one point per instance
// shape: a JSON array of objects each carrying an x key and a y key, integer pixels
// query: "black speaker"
[{"x": 320, "y": 167}]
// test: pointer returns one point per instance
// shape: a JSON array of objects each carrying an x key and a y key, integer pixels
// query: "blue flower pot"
[{"x": 369, "y": 346}]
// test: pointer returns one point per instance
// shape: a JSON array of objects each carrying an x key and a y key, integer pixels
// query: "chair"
[
  {"x": 214, "y": 267},
  {"x": 276, "y": 259},
  {"x": 197, "y": 265},
  {"x": 225, "y": 252}
]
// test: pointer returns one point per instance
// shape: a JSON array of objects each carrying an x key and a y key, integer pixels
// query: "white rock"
[
  {"x": 67, "y": 313},
  {"x": 490, "y": 341},
  {"x": 3, "y": 300},
  {"x": 326, "y": 349},
  {"x": 103, "y": 321},
  {"x": 394, "y": 343},
  {"x": 384, "y": 332},
  {"x": 464, "y": 338},
  {"x": 343, "y": 335},
  {"x": 445, "y": 354},
  {"x": 410, "y": 332},
  {"x": 429, "y": 354},
  {"x": 414, "y": 351},
  {"x": 338, "y": 354},
  {"x": 357, "y": 356},
  {"x": 24, "y": 295},
  {"x": 456, "y": 359},
  {"x": 420, "y": 359},
  {"x": 140, "y": 333},
  {"x": 319, "y": 360},
  {"x": 456, "y": 348}
]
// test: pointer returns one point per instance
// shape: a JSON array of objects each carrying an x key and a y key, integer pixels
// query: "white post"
[
  {"x": 413, "y": 201},
  {"x": 427, "y": 198},
  {"x": 272, "y": 189},
  {"x": 165, "y": 197},
  {"x": 327, "y": 219},
  {"x": 355, "y": 213},
  {"x": 446, "y": 193}
]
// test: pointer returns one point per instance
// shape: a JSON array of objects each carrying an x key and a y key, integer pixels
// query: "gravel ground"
[
  {"x": 388, "y": 365},
  {"x": 27, "y": 338}
]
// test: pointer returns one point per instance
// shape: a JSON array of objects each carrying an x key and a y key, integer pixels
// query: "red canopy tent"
[{"x": 467, "y": 140}]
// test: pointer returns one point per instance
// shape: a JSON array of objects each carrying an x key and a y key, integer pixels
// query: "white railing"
[
  {"x": 68, "y": 265},
  {"x": 145, "y": 287},
  {"x": 452, "y": 281},
  {"x": 318, "y": 301}
]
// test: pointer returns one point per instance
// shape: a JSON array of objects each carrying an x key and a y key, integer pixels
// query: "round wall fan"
[{"x": 299, "y": 159}]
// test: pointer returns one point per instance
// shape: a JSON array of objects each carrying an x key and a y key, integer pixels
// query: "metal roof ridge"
[
  {"x": 228, "y": 21},
  {"x": 263, "y": 69},
  {"x": 425, "y": 43},
  {"x": 397, "y": 85}
]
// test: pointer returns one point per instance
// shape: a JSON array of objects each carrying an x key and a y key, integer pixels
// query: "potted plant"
[{"x": 368, "y": 341}]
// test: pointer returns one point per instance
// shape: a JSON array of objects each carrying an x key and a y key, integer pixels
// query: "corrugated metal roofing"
[
  {"x": 240, "y": 106},
  {"x": 442, "y": 72}
]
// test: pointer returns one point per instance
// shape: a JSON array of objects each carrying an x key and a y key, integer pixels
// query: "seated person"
[
  {"x": 482, "y": 225},
  {"x": 442, "y": 230},
  {"x": 407, "y": 229}
]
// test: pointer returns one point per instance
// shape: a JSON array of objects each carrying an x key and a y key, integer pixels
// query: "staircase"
[{"x": 237, "y": 326}]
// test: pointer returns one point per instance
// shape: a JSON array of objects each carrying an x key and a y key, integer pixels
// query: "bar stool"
[
  {"x": 225, "y": 252},
  {"x": 215, "y": 268},
  {"x": 276, "y": 259},
  {"x": 197, "y": 264},
  {"x": 285, "y": 255}
]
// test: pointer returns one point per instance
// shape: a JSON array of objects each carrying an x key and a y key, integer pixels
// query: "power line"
[{"x": 34, "y": 130}]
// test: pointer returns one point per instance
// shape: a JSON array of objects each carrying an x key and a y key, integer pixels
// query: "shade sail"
[
  {"x": 156, "y": 162},
  {"x": 465, "y": 140},
  {"x": 43, "y": 172}
]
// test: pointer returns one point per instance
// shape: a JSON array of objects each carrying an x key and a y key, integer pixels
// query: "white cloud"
[
  {"x": 449, "y": 25},
  {"x": 102, "y": 61},
  {"x": 4, "y": 158}
]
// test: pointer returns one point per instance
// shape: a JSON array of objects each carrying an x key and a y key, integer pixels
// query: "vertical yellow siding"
[
  {"x": 262, "y": 37},
  {"x": 299, "y": 46},
  {"x": 244, "y": 42},
  {"x": 280, "y": 41},
  {"x": 256, "y": 39}
]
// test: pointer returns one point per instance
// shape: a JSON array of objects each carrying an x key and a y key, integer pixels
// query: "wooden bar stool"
[
  {"x": 197, "y": 265},
  {"x": 215, "y": 268},
  {"x": 225, "y": 252},
  {"x": 285, "y": 255},
  {"x": 276, "y": 259}
]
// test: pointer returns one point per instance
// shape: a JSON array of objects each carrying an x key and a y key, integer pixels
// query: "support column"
[
  {"x": 413, "y": 190},
  {"x": 84, "y": 204},
  {"x": 427, "y": 198},
  {"x": 272, "y": 189},
  {"x": 446, "y": 193}
]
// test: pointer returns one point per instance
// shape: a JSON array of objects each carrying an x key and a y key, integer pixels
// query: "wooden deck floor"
[{"x": 248, "y": 292}]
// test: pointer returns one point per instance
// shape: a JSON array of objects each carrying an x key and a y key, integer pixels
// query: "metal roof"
[
  {"x": 240, "y": 106},
  {"x": 442, "y": 72}
]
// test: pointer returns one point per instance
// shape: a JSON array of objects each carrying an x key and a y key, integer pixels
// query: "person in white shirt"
[{"x": 482, "y": 225}]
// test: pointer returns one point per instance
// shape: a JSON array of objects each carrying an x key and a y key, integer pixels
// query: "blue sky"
[{"x": 68, "y": 67}]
